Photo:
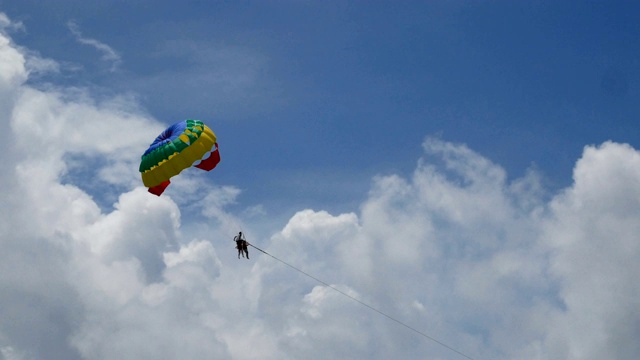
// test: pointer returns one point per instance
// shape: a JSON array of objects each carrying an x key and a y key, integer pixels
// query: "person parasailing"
[{"x": 242, "y": 245}]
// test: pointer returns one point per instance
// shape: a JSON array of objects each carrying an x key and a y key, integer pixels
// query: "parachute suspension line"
[
  {"x": 364, "y": 304},
  {"x": 233, "y": 222}
]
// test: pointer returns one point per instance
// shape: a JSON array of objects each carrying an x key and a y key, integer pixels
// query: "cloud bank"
[{"x": 493, "y": 267}]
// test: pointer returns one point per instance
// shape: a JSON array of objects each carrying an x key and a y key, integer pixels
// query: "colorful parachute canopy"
[{"x": 180, "y": 146}]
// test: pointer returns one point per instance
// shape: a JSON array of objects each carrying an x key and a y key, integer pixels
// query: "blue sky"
[
  {"x": 332, "y": 93},
  {"x": 468, "y": 167}
]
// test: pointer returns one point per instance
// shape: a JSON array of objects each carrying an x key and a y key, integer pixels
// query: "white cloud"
[
  {"x": 108, "y": 54},
  {"x": 457, "y": 251},
  {"x": 226, "y": 77},
  {"x": 8, "y": 25},
  {"x": 13, "y": 71},
  {"x": 593, "y": 237}
]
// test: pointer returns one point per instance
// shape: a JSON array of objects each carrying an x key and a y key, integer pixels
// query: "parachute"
[{"x": 181, "y": 145}]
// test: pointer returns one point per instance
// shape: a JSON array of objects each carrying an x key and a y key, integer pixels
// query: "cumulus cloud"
[
  {"x": 482, "y": 263},
  {"x": 595, "y": 247}
]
